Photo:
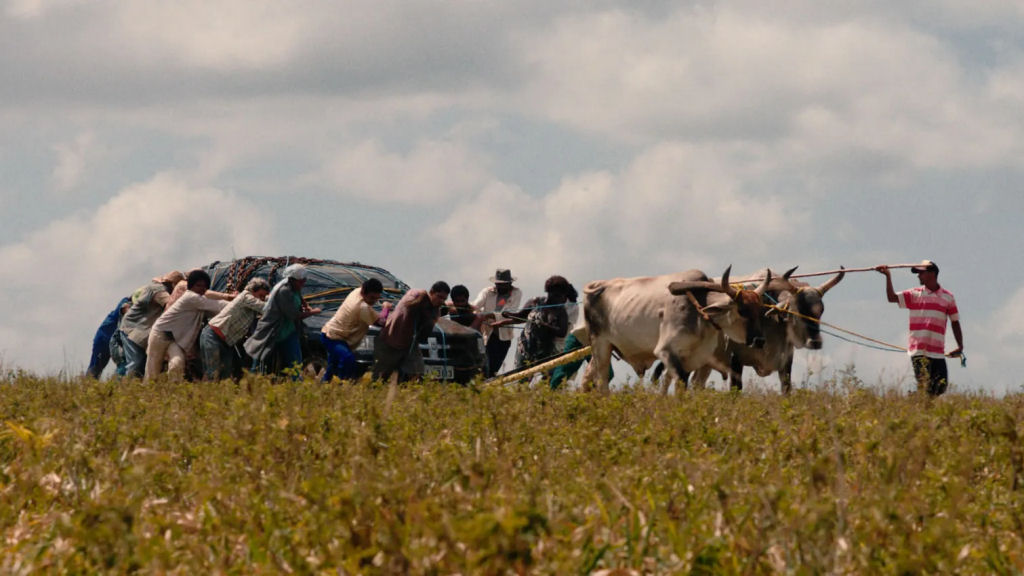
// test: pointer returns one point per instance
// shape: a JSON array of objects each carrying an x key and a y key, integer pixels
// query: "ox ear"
[
  {"x": 717, "y": 308},
  {"x": 719, "y": 304}
]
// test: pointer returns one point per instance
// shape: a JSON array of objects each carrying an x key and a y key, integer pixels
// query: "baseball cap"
[{"x": 925, "y": 266}]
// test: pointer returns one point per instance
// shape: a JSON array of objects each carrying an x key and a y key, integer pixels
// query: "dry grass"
[{"x": 266, "y": 477}]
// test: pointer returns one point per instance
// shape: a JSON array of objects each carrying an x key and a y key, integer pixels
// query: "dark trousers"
[
  {"x": 386, "y": 360},
  {"x": 136, "y": 356},
  {"x": 218, "y": 358},
  {"x": 341, "y": 362},
  {"x": 931, "y": 374},
  {"x": 289, "y": 353},
  {"x": 497, "y": 349}
]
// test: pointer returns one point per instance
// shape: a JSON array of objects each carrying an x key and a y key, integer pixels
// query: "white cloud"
[
  {"x": 224, "y": 35},
  {"x": 73, "y": 160},
  {"x": 1007, "y": 326},
  {"x": 31, "y": 9},
  {"x": 62, "y": 279},
  {"x": 431, "y": 172},
  {"x": 590, "y": 139},
  {"x": 721, "y": 73},
  {"x": 671, "y": 208}
]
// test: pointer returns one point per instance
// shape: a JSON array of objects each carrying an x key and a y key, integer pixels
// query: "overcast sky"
[{"x": 441, "y": 140}]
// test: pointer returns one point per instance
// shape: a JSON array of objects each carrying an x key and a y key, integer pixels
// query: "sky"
[{"x": 593, "y": 139}]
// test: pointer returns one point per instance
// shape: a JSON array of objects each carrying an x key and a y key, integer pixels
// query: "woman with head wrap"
[{"x": 278, "y": 329}]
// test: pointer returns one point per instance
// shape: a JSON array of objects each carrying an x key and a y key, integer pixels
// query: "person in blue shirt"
[{"x": 101, "y": 342}]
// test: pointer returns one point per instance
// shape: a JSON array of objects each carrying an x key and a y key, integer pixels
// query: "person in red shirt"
[
  {"x": 929, "y": 305},
  {"x": 397, "y": 347}
]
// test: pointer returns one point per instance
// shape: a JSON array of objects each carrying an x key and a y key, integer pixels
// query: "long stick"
[
  {"x": 543, "y": 367},
  {"x": 831, "y": 272}
]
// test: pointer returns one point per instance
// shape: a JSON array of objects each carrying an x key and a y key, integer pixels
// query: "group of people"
[
  {"x": 547, "y": 321},
  {"x": 176, "y": 317},
  {"x": 175, "y": 322}
]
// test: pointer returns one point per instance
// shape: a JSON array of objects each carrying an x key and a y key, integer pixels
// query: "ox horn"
[
  {"x": 726, "y": 287},
  {"x": 784, "y": 284},
  {"x": 830, "y": 283},
  {"x": 682, "y": 287},
  {"x": 764, "y": 283}
]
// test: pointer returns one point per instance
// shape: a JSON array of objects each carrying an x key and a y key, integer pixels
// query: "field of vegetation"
[{"x": 284, "y": 477}]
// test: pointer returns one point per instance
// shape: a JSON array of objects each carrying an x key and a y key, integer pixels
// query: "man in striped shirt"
[
  {"x": 929, "y": 305},
  {"x": 219, "y": 339}
]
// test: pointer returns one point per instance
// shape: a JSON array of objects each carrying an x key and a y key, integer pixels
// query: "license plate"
[{"x": 441, "y": 372}]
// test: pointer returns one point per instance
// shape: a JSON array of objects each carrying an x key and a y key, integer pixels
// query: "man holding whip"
[{"x": 929, "y": 306}]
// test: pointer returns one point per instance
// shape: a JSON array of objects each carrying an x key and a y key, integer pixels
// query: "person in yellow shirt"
[{"x": 346, "y": 329}]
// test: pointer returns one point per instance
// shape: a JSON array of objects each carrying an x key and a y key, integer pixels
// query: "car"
[{"x": 452, "y": 352}]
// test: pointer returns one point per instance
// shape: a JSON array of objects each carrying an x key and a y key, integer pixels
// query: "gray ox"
[
  {"x": 677, "y": 318},
  {"x": 783, "y": 332}
]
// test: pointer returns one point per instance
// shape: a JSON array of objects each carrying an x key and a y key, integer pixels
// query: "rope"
[
  {"x": 834, "y": 327},
  {"x": 889, "y": 347}
]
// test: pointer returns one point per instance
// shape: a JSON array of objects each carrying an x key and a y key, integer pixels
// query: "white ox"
[
  {"x": 676, "y": 318},
  {"x": 794, "y": 324}
]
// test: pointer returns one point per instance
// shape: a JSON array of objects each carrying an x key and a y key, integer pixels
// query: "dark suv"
[{"x": 452, "y": 352}]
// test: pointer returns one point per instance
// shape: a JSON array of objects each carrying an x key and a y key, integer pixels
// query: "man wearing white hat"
[
  {"x": 279, "y": 327},
  {"x": 930, "y": 305},
  {"x": 491, "y": 302}
]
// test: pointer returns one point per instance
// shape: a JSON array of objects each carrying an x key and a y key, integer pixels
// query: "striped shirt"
[
  {"x": 928, "y": 313},
  {"x": 235, "y": 320}
]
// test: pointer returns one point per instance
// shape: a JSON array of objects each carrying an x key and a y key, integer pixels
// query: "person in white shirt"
[
  {"x": 491, "y": 302},
  {"x": 176, "y": 330}
]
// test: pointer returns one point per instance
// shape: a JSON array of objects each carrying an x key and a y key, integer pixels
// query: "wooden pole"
[
  {"x": 543, "y": 367},
  {"x": 831, "y": 272}
]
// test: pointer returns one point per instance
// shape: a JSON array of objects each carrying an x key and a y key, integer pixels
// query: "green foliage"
[{"x": 269, "y": 476}]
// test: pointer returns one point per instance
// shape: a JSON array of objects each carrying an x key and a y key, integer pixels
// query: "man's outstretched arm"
[{"x": 889, "y": 292}]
